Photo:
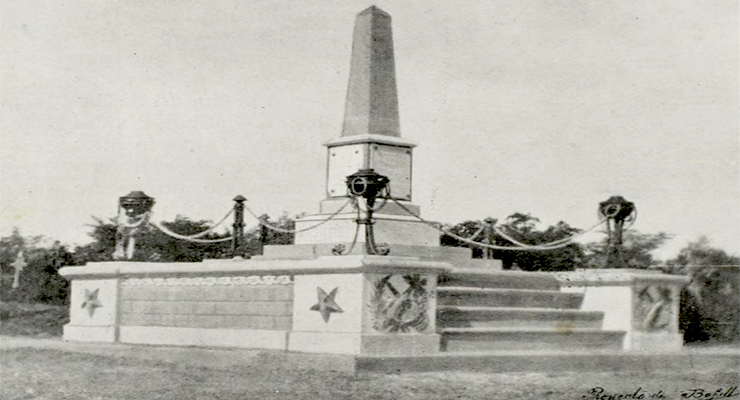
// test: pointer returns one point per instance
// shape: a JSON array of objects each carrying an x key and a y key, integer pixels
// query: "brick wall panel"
[
  {"x": 208, "y": 293},
  {"x": 265, "y": 307}
]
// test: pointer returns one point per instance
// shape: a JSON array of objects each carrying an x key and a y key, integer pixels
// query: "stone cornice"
[
  {"x": 240, "y": 267},
  {"x": 379, "y": 139},
  {"x": 617, "y": 277}
]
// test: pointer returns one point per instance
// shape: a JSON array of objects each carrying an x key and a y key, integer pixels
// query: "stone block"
[
  {"x": 147, "y": 293},
  {"x": 368, "y": 344},
  {"x": 94, "y": 302},
  {"x": 400, "y": 344},
  {"x": 325, "y": 342},
  {"x": 202, "y": 307},
  {"x": 389, "y": 229},
  {"x": 282, "y": 323},
  {"x": 498, "y": 339},
  {"x": 459, "y": 255},
  {"x": 606, "y": 299},
  {"x": 83, "y": 333},
  {"x": 348, "y": 298},
  {"x": 140, "y": 319},
  {"x": 207, "y": 293},
  {"x": 496, "y": 297},
  {"x": 254, "y": 308},
  {"x": 242, "y": 338},
  {"x": 208, "y": 321},
  {"x": 333, "y": 204},
  {"x": 656, "y": 342}
]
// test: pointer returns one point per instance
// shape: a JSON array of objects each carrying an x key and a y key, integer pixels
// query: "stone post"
[
  {"x": 367, "y": 305},
  {"x": 94, "y": 305}
]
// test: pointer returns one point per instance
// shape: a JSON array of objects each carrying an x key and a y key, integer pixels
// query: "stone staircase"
[{"x": 480, "y": 311}]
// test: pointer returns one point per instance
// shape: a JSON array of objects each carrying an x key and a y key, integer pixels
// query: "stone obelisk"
[
  {"x": 372, "y": 102},
  {"x": 371, "y": 133},
  {"x": 370, "y": 138}
]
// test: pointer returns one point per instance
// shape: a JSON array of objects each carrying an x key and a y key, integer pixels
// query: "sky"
[{"x": 532, "y": 106}]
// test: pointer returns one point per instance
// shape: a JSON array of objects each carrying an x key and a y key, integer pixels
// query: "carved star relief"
[
  {"x": 91, "y": 301},
  {"x": 326, "y": 304}
]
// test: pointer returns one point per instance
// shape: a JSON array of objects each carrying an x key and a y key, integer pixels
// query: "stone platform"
[
  {"x": 383, "y": 310},
  {"x": 389, "y": 314}
]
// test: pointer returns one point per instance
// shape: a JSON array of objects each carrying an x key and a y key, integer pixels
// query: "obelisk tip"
[{"x": 374, "y": 10}]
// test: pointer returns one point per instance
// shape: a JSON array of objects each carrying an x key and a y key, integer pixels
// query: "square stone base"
[
  {"x": 86, "y": 333},
  {"x": 389, "y": 229},
  {"x": 365, "y": 344}
]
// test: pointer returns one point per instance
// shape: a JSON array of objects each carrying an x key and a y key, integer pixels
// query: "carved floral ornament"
[
  {"x": 393, "y": 311},
  {"x": 267, "y": 280}
]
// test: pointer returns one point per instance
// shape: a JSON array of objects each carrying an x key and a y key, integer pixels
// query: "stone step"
[
  {"x": 488, "y": 297},
  {"x": 479, "y": 317},
  {"x": 499, "y": 279},
  {"x": 496, "y": 339},
  {"x": 556, "y": 362}
]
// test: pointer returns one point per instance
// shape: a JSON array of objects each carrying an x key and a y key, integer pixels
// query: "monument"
[
  {"x": 419, "y": 307},
  {"x": 371, "y": 139}
]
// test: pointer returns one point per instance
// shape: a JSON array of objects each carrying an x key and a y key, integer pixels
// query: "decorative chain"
[
  {"x": 556, "y": 244},
  {"x": 188, "y": 238},
  {"x": 209, "y": 230},
  {"x": 520, "y": 247},
  {"x": 283, "y": 230},
  {"x": 121, "y": 220}
]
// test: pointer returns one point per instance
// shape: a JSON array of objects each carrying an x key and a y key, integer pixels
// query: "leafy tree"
[
  {"x": 154, "y": 245},
  {"x": 636, "y": 250},
  {"x": 104, "y": 239},
  {"x": 710, "y": 304},
  {"x": 39, "y": 280},
  {"x": 11, "y": 245},
  {"x": 522, "y": 228}
]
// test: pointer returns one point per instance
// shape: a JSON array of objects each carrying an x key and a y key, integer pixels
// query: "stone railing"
[{"x": 643, "y": 303}]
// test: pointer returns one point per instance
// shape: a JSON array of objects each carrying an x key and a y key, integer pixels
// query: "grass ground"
[
  {"x": 52, "y": 374},
  {"x": 32, "y": 319},
  {"x": 43, "y": 367}
]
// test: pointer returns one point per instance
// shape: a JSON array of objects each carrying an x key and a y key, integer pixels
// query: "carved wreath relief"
[
  {"x": 394, "y": 311},
  {"x": 653, "y": 308}
]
